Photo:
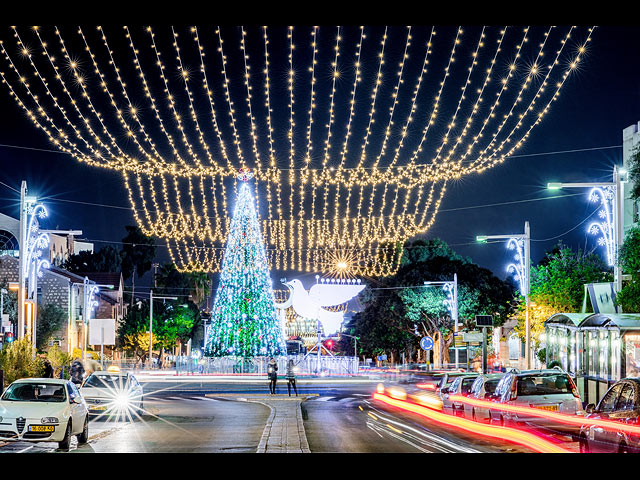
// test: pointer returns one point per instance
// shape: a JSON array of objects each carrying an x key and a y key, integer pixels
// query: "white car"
[
  {"x": 460, "y": 386},
  {"x": 43, "y": 410},
  {"x": 551, "y": 390},
  {"x": 483, "y": 388},
  {"x": 113, "y": 393}
]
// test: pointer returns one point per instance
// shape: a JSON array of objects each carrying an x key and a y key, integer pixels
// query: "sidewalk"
[{"x": 284, "y": 431}]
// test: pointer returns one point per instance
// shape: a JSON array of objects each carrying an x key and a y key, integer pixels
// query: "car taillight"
[
  {"x": 514, "y": 389},
  {"x": 574, "y": 390}
]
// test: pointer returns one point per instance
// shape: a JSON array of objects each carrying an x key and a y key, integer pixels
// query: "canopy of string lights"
[{"x": 351, "y": 134}]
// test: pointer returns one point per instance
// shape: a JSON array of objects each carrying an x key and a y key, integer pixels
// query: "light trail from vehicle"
[
  {"x": 526, "y": 439},
  {"x": 575, "y": 420}
]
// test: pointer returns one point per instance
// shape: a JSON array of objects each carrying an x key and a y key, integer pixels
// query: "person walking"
[
  {"x": 77, "y": 372},
  {"x": 291, "y": 377},
  {"x": 272, "y": 373}
]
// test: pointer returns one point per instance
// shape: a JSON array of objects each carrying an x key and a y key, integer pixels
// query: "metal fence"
[{"x": 309, "y": 365}]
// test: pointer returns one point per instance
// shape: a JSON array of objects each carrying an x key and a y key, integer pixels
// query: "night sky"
[{"x": 579, "y": 140}]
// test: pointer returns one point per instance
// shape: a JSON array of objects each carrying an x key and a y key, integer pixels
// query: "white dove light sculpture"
[{"x": 311, "y": 304}]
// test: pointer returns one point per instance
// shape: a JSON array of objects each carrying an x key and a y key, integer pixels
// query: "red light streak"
[
  {"x": 575, "y": 420},
  {"x": 519, "y": 437}
]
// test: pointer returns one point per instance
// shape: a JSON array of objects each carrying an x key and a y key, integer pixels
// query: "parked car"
[
  {"x": 43, "y": 410},
  {"x": 446, "y": 379},
  {"x": 621, "y": 404},
  {"x": 460, "y": 386},
  {"x": 482, "y": 388},
  {"x": 551, "y": 390},
  {"x": 113, "y": 393}
]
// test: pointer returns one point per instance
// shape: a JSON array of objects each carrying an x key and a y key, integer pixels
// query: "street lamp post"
[
  {"x": 522, "y": 244},
  {"x": 451, "y": 287},
  {"x": 30, "y": 264},
  {"x": 612, "y": 225}
]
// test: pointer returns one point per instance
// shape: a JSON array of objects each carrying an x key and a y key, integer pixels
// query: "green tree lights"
[{"x": 244, "y": 319}]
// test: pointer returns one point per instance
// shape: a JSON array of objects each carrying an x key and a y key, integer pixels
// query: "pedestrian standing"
[
  {"x": 48, "y": 369},
  {"x": 272, "y": 372},
  {"x": 291, "y": 377}
]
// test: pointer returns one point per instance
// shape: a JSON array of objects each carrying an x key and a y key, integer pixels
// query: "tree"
[
  {"x": 398, "y": 315},
  {"x": 138, "y": 252},
  {"x": 17, "y": 361},
  {"x": 634, "y": 175},
  {"x": 133, "y": 332},
  {"x": 171, "y": 282},
  {"x": 244, "y": 322},
  {"x": 107, "y": 259},
  {"x": 557, "y": 285},
  {"x": 629, "y": 297},
  {"x": 51, "y": 318}
]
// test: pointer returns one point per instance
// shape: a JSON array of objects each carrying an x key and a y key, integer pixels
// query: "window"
[
  {"x": 454, "y": 385},
  {"x": 550, "y": 384},
  {"x": 467, "y": 383},
  {"x": 490, "y": 386},
  {"x": 626, "y": 401},
  {"x": 34, "y": 392},
  {"x": 608, "y": 402}
]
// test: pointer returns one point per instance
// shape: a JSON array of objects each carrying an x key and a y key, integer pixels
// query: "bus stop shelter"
[{"x": 598, "y": 349}]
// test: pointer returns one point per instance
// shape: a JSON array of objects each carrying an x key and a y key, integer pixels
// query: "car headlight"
[
  {"x": 122, "y": 400},
  {"x": 49, "y": 420}
]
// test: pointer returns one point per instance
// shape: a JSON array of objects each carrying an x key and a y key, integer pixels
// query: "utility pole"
[{"x": 522, "y": 244}]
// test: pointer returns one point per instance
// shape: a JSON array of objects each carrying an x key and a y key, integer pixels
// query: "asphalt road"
[{"x": 206, "y": 416}]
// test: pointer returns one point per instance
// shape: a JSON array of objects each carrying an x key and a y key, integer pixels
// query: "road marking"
[{"x": 25, "y": 449}]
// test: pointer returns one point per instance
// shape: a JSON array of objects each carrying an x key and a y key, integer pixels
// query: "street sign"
[
  {"x": 426, "y": 343},
  {"x": 472, "y": 337},
  {"x": 484, "y": 320}
]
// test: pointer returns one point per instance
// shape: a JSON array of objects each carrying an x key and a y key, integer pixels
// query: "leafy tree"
[
  {"x": 559, "y": 281},
  {"x": 557, "y": 285},
  {"x": 17, "y": 361},
  {"x": 634, "y": 175},
  {"x": 138, "y": 252},
  {"x": 133, "y": 331},
  {"x": 396, "y": 316},
  {"x": 629, "y": 297},
  {"x": 51, "y": 318},
  {"x": 107, "y": 259},
  {"x": 172, "y": 322},
  {"x": 58, "y": 359}
]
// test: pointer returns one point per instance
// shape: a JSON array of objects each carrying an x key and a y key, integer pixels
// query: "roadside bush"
[
  {"x": 58, "y": 359},
  {"x": 17, "y": 361}
]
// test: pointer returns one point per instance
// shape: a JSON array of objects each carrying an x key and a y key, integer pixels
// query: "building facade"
[{"x": 66, "y": 290}]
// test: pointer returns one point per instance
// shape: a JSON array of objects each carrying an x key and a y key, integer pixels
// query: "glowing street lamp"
[
  {"x": 522, "y": 270},
  {"x": 610, "y": 225},
  {"x": 30, "y": 264}
]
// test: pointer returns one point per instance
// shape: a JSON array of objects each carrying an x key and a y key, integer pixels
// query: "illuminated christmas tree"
[{"x": 244, "y": 319}]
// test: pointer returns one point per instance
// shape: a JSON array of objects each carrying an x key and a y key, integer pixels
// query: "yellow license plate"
[
  {"x": 41, "y": 428},
  {"x": 98, "y": 407},
  {"x": 550, "y": 408}
]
